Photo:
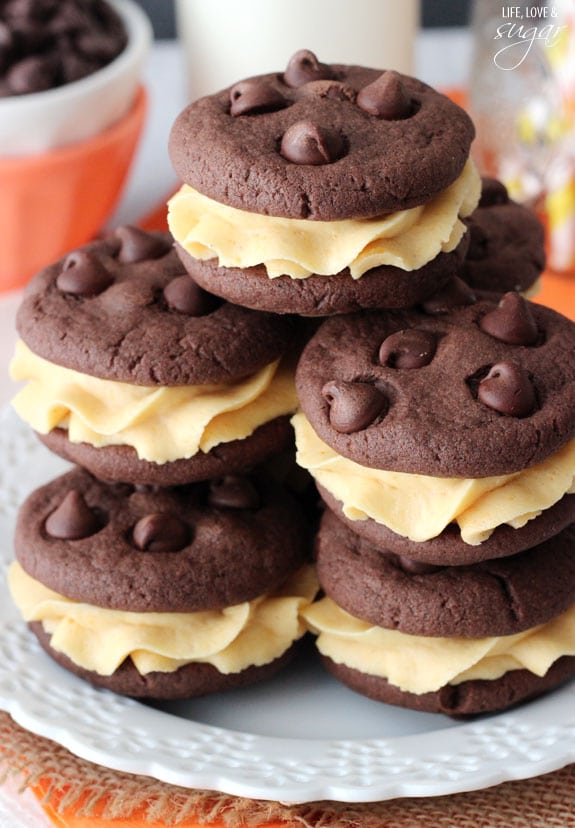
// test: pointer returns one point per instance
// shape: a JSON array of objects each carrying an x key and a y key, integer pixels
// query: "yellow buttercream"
[
  {"x": 420, "y": 507},
  {"x": 534, "y": 289},
  {"x": 422, "y": 664},
  {"x": 161, "y": 423},
  {"x": 253, "y": 633},
  {"x": 407, "y": 239}
]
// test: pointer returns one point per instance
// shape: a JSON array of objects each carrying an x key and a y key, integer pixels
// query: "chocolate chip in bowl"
[
  {"x": 48, "y": 44},
  {"x": 68, "y": 70},
  {"x": 71, "y": 112}
]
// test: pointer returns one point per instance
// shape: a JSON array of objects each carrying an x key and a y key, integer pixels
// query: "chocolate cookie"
[
  {"x": 191, "y": 548},
  {"x": 189, "y": 681},
  {"x": 469, "y": 698},
  {"x": 122, "y": 309},
  {"x": 319, "y": 295},
  {"x": 448, "y": 549},
  {"x": 322, "y": 142},
  {"x": 121, "y": 464},
  {"x": 455, "y": 388},
  {"x": 506, "y": 243},
  {"x": 492, "y": 598},
  {"x": 170, "y": 385}
]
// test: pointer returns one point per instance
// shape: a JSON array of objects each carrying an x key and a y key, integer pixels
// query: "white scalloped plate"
[{"x": 301, "y": 737}]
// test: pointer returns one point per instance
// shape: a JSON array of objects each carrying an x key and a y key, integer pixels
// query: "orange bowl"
[{"x": 56, "y": 201}]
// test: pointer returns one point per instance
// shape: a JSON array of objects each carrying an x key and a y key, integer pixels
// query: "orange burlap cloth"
[{"x": 78, "y": 794}]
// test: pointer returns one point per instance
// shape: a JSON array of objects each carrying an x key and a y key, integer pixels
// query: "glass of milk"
[{"x": 227, "y": 40}]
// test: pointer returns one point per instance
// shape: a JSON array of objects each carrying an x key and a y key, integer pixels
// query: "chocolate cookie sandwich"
[
  {"x": 136, "y": 373},
  {"x": 506, "y": 244},
  {"x": 458, "y": 640},
  {"x": 322, "y": 189},
  {"x": 450, "y": 428},
  {"x": 163, "y": 593}
]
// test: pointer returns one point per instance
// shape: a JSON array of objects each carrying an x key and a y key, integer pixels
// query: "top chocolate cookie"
[
  {"x": 455, "y": 388},
  {"x": 323, "y": 142},
  {"x": 123, "y": 308}
]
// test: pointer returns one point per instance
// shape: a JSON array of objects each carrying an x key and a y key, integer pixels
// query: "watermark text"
[{"x": 520, "y": 37}]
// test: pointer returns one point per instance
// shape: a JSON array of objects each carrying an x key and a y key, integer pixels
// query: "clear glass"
[{"x": 225, "y": 40}]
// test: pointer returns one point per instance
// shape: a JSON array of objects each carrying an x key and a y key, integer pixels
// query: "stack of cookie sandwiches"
[
  {"x": 442, "y": 441},
  {"x": 437, "y": 404},
  {"x": 170, "y": 561},
  {"x": 436, "y": 419}
]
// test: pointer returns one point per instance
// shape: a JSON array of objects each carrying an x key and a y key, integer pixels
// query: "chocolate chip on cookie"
[
  {"x": 373, "y": 142},
  {"x": 160, "y": 549},
  {"x": 496, "y": 395},
  {"x": 119, "y": 309}
]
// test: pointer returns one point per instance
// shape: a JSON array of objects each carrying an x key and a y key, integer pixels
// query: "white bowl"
[{"x": 43, "y": 121}]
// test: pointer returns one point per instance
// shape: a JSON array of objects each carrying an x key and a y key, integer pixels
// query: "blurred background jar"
[{"x": 522, "y": 99}]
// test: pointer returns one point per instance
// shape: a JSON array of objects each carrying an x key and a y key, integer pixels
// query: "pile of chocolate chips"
[{"x": 48, "y": 43}]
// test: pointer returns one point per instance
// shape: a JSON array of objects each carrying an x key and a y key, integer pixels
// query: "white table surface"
[{"x": 442, "y": 58}]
